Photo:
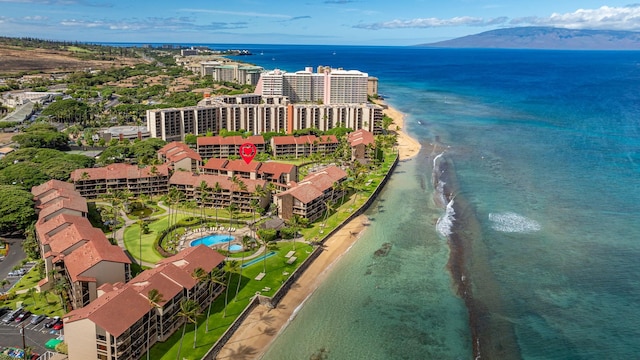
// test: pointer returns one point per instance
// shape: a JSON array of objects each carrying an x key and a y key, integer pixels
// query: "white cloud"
[
  {"x": 605, "y": 17},
  {"x": 238, "y": 13},
  {"x": 433, "y": 22}
]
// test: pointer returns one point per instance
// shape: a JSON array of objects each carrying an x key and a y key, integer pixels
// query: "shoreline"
[{"x": 263, "y": 325}]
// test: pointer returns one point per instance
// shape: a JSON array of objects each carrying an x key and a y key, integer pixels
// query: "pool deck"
[{"x": 201, "y": 232}]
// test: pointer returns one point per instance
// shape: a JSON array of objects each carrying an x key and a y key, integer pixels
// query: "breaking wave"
[
  {"x": 511, "y": 222},
  {"x": 445, "y": 222}
]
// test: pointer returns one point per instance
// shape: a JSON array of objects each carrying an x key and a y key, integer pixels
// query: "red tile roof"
[
  {"x": 242, "y": 166},
  {"x": 115, "y": 311},
  {"x": 44, "y": 228},
  {"x": 119, "y": 171},
  {"x": 76, "y": 204},
  {"x": 74, "y": 234},
  {"x": 91, "y": 254},
  {"x": 54, "y": 195},
  {"x": 215, "y": 164},
  {"x": 361, "y": 137},
  {"x": 129, "y": 301},
  {"x": 276, "y": 168},
  {"x": 314, "y": 184},
  {"x": 51, "y": 185},
  {"x": 176, "y": 151},
  {"x": 194, "y": 180}
]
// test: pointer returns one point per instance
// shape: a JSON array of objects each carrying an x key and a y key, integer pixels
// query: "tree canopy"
[{"x": 16, "y": 207}]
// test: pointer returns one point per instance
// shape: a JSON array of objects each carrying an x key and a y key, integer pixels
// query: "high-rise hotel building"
[{"x": 282, "y": 102}]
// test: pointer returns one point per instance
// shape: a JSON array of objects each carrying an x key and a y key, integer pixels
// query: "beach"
[{"x": 263, "y": 324}]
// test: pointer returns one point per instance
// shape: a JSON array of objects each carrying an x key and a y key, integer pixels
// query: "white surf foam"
[
  {"x": 511, "y": 222},
  {"x": 445, "y": 222}
]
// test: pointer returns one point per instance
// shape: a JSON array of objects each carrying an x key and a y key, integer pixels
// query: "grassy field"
[
  {"x": 276, "y": 267},
  {"x": 133, "y": 244},
  {"x": 38, "y": 303}
]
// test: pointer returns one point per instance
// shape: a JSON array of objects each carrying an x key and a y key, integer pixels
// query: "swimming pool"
[
  {"x": 258, "y": 259},
  {"x": 214, "y": 239},
  {"x": 235, "y": 247}
]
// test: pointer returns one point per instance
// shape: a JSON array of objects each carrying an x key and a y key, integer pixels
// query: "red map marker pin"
[{"x": 247, "y": 152}]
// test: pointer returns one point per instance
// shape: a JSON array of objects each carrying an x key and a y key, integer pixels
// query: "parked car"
[
  {"x": 59, "y": 325},
  {"x": 18, "y": 272},
  {"x": 36, "y": 319},
  {"x": 12, "y": 315},
  {"x": 23, "y": 316},
  {"x": 4, "y": 310},
  {"x": 51, "y": 322}
]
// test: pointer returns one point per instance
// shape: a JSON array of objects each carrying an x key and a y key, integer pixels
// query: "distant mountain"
[{"x": 546, "y": 38}]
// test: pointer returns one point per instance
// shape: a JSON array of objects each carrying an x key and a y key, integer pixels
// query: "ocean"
[{"x": 515, "y": 233}]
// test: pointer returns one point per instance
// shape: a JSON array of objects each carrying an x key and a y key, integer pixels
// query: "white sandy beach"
[{"x": 261, "y": 327}]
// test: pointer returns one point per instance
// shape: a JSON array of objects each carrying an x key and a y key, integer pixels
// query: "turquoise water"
[
  {"x": 211, "y": 240},
  {"x": 520, "y": 241},
  {"x": 258, "y": 259},
  {"x": 235, "y": 247}
]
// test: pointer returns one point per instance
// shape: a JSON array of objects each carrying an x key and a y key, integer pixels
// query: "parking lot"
[{"x": 35, "y": 336}]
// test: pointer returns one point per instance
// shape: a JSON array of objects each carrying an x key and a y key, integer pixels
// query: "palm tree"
[
  {"x": 229, "y": 268},
  {"x": 32, "y": 292},
  {"x": 329, "y": 208},
  {"x": 155, "y": 298},
  {"x": 141, "y": 225},
  {"x": 216, "y": 277},
  {"x": 295, "y": 221},
  {"x": 199, "y": 275},
  {"x": 189, "y": 310},
  {"x": 216, "y": 189},
  {"x": 202, "y": 189}
]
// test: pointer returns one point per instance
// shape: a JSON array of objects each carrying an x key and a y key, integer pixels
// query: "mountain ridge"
[{"x": 549, "y": 38}]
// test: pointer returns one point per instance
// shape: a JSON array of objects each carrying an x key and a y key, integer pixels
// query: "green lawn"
[
  {"x": 132, "y": 239},
  {"x": 38, "y": 303},
  {"x": 276, "y": 266}
]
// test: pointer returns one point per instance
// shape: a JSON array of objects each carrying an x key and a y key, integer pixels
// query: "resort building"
[
  {"x": 179, "y": 156},
  {"x": 362, "y": 144},
  {"x": 235, "y": 73},
  {"x": 124, "y": 133},
  {"x": 123, "y": 322},
  {"x": 222, "y": 147},
  {"x": 75, "y": 252},
  {"x": 272, "y": 171},
  {"x": 327, "y": 86},
  {"x": 269, "y": 114},
  {"x": 309, "y": 197},
  {"x": 94, "y": 182},
  {"x": 221, "y": 191},
  {"x": 304, "y": 145}
]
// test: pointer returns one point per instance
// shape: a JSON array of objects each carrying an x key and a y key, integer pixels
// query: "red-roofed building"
[
  {"x": 180, "y": 156},
  {"x": 308, "y": 198},
  {"x": 222, "y": 147},
  {"x": 272, "y": 171},
  {"x": 239, "y": 193},
  {"x": 304, "y": 145},
  {"x": 122, "y": 321},
  {"x": 74, "y": 251},
  {"x": 51, "y": 185},
  {"x": 362, "y": 143},
  {"x": 95, "y": 182}
]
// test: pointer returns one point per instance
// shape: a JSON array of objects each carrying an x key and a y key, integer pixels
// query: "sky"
[{"x": 313, "y": 22}]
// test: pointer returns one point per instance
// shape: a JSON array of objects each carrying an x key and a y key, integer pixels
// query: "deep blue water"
[
  {"x": 542, "y": 161},
  {"x": 546, "y": 151}
]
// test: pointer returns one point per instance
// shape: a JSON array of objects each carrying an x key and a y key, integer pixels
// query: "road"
[
  {"x": 35, "y": 336},
  {"x": 13, "y": 258}
]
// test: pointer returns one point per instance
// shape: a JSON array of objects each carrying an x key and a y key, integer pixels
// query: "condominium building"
[
  {"x": 309, "y": 197},
  {"x": 271, "y": 114},
  {"x": 179, "y": 156},
  {"x": 236, "y": 73},
  {"x": 95, "y": 182},
  {"x": 304, "y": 145},
  {"x": 74, "y": 251},
  {"x": 362, "y": 142},
  {"x": 327, "y": 86},
  {"x": 272, "y": 171},
  {"x": 223, "y": 147},
  {"x": 124, "y": 321},
  {"x": 221, "y": 191}
]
